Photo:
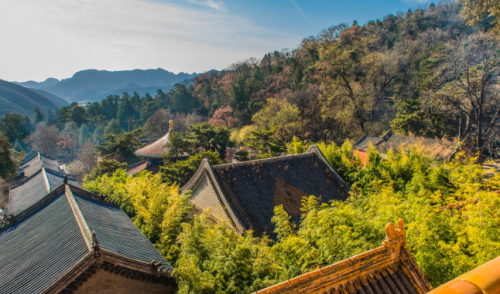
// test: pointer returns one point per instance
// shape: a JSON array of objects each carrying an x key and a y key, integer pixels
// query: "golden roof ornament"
[
  {"x": 171, "y": 126},
  {"x": 395, "y": 238}
]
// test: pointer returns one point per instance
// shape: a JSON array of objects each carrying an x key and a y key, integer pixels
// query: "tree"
[
  {"x": 279, "y": 114},
  {"x": 223, "y": 117},
  {"x": 68, "y": 140},
  {"x": 177, "y": 146},
  {"x": 113, "y": 127},
  {"x": 181, "y": 171},
  {"x": 468, "y": 88},
  {"x": 7, "y": 164},
  {"x": 84, "y": 135},
  {"x": 45, "y": 139},
  {"x": 481, "y": 11},
  {"x": 121, "y": 147},
  {"x": 156, "y": 125},
  {"x": 15, "y": 127},
  {"x": 266, "y": 142},
  {"x": 104, "y": 167},
  {"x": 88, "y": 157},
  {"x": 209, "y": 138},
  {"x": 39, "y": 115}
]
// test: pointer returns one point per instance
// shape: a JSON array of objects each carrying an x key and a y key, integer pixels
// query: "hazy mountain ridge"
[
  {"x": 18, "y": 99},
  {"x": 95, "y": 85}
]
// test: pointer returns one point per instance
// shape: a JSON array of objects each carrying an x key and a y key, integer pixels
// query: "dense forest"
[{"x": 427, "y": 72}]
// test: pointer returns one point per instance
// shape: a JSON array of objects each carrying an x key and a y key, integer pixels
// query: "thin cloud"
[
  {"x": 59, "y": 37},
  {"x": 301, "y": 12},
  {"x": 217, "y": 5}
]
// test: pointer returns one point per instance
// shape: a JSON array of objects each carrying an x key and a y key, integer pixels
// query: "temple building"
[
  {"x": 36, "y": 162},
  {"x": 440, "y": 149},
  {"x": 152, "y": 154},
  {"x": 389, "y": 269},
  {"x": 245, "y": 193},
  {"x": 73, "y": 241},
  {"x": 33, "y": 188}
]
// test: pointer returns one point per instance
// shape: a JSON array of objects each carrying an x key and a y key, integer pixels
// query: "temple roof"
[
  {"x": 438, "y": 148},
  {"x": 249, "y": 191},
  {"x": 68, "y": 229},
  {"x": 154, "y": 150},
  {"x": 483, "y": 279},
  {"x": 388, "y": 269},
  {"x": 364, "y": 142},
  {"x": 32, "y": 189},
  {"x": 36, "y": 162}
]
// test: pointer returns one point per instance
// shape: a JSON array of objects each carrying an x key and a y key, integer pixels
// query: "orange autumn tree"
[{"x": 223, "y": 117}]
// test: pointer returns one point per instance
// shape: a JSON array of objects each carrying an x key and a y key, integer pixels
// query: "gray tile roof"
[
  {"x": 46, "y": 242},
  {"x": 116, "y": 232},
  {"x": 34, "y": 188},
  {"x": 36, "y": 162},
  {"x": 40, "y": 249},
  {"x": 252, "y": 189},
  {"x": 364, "y": 142}
]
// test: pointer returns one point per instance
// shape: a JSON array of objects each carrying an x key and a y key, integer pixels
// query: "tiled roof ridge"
[
  {"x": 23, "y": 181},
  {"x": 360, "y": 140},
  {"x": 51, "y": 195},
  {"x": 136, "y": 164},
  {"x": 29, "y": 158},
  {"x": 58, "y": 173},
  {"x": 34, "y": 207},
  {"x": 270, "y": 159},
  {"x": 93, "y": 196},
  {"x": 206, "y": 167},
  {"x": 394, "y": 247}
]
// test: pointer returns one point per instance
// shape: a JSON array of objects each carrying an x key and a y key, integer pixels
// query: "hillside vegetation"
[
  {"x": 95, "y": 85},
  {"x": 20, "y": 100}
]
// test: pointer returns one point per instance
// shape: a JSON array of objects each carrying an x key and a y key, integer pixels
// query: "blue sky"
[{"x": 56, "y": 38}]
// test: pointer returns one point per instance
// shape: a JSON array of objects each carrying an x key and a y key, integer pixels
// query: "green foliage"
[
  {"x": 209, "y": 137},
  {"x": 156, "y": 208},
  {"x": 7, "y": 164},
  {"x": 113, "y": 128},
  {"x": 15, "y": 127},
  {"x": 182, "y": 170},
  {"x": 281, "y": 114},
  {"x": 216, "y": 259},
  {"x": 241, "y": 155},
  {"x": 266, "y": 142},
  {"x": 121, "y": 146},
  {"x": 104, "y": 167}
]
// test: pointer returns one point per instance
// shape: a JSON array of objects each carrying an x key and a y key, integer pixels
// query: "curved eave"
[{"x": 148, "y": 156}]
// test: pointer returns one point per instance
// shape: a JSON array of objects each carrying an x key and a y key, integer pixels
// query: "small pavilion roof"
[
  {"x": 389, "y": 269},
  {"x": 154, "y": 150},
  {"x": 48, "y": 246}
]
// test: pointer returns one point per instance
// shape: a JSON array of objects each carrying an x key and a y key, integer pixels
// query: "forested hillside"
[
  {"x": 17, "y": 99},
  {"x": 95, "y": 85}
]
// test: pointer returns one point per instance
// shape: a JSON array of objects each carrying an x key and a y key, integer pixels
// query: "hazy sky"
[{"x": 56, "y": 38}]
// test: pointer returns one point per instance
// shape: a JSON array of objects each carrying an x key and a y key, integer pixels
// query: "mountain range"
[
  {"x": 94, "y": 85},
  {"x": 20, "y": 100}
]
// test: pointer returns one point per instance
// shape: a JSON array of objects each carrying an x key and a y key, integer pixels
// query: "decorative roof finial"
[
  {"x": 395, "y": 238},
  {"x": 95, "y": 244},
  {"x": 65, "y": 180},
  {"x": 171, "y": 126}
]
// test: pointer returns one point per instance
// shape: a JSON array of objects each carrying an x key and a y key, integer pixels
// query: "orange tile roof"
[
  {"x": 387, "y": 269},
  {"x": 483, "y": 279},
  {"x": 154, "y": 150}
]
